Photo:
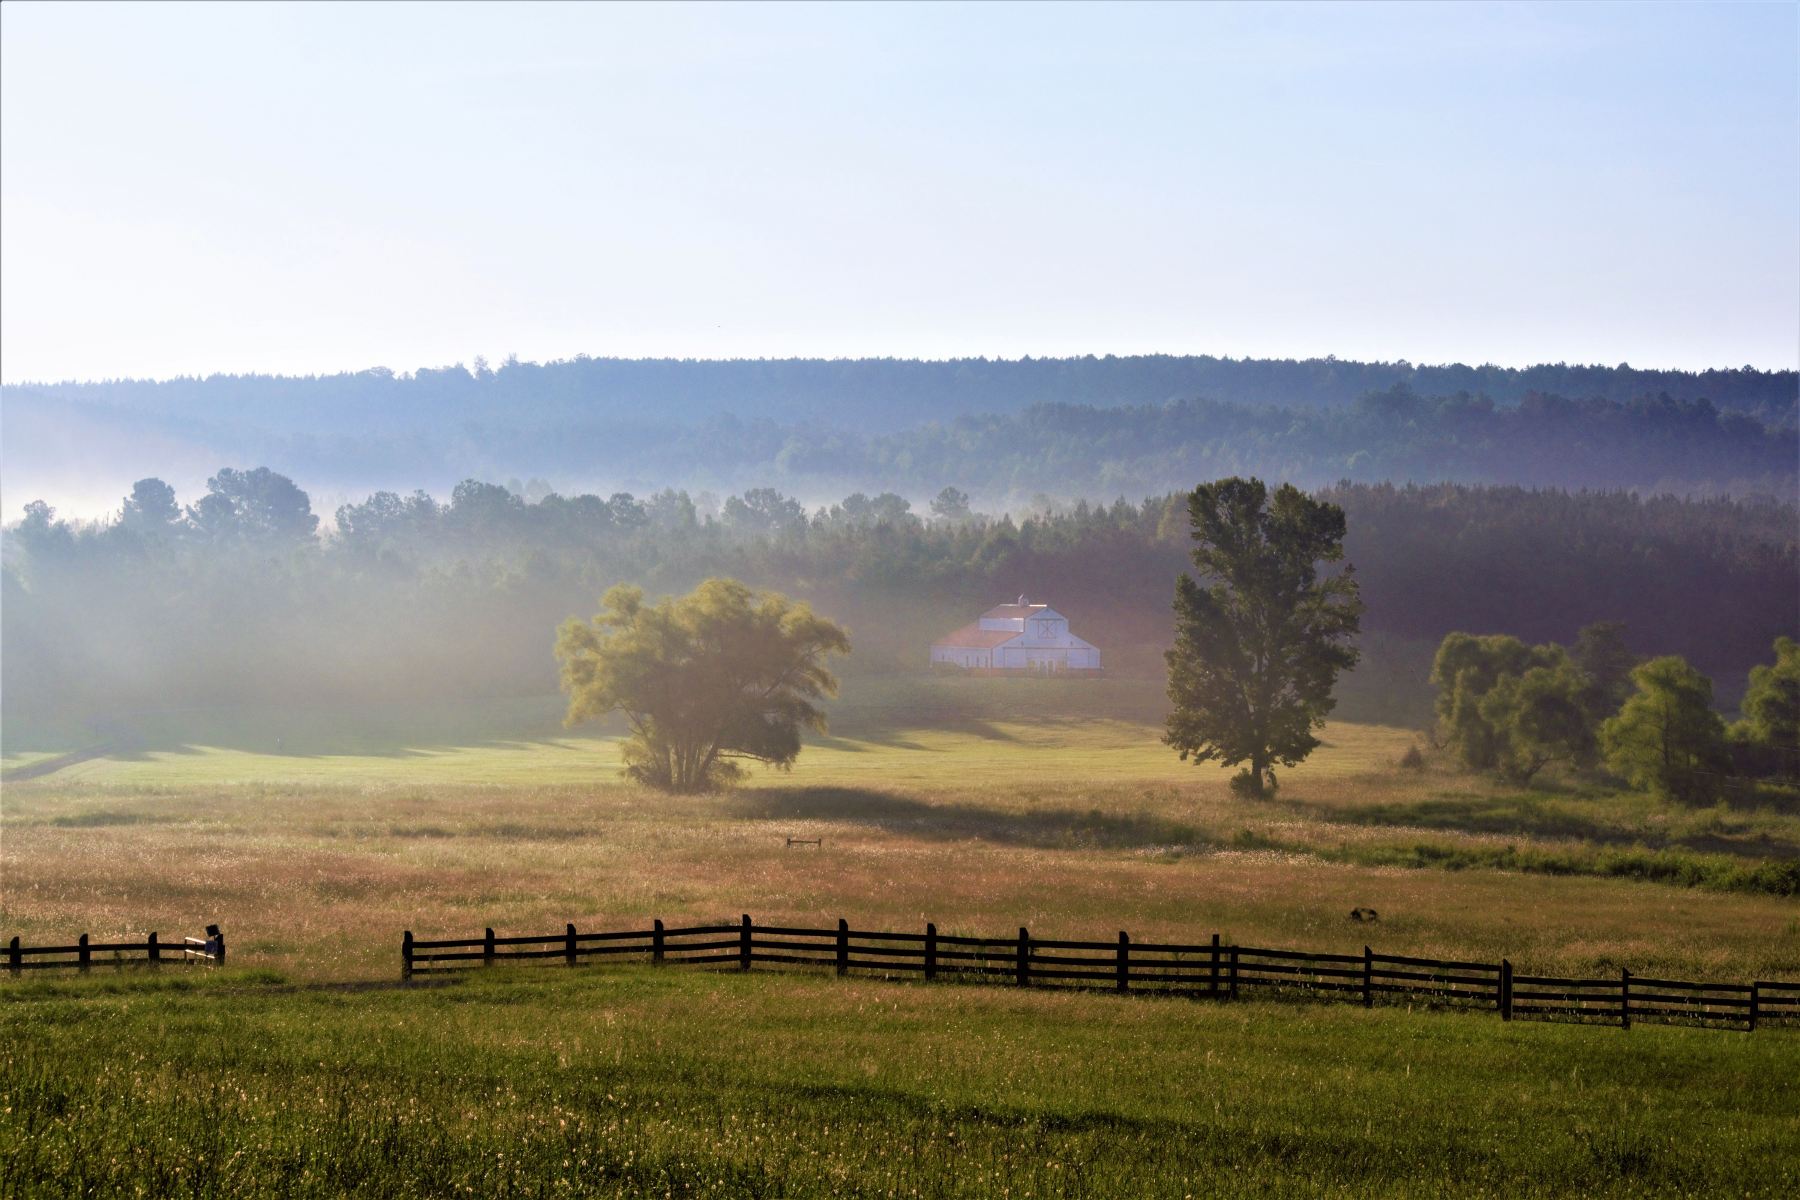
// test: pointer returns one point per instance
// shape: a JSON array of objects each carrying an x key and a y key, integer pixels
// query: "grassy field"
[
  {"x": 315, "y": 838},
  {"x": 978, "y": 804},
  {"x": 669, "y": 1083}
]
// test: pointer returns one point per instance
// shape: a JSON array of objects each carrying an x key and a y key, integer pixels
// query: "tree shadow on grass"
[
  {"x": 306, "y": 748},
  {"x": 1050, "y": 829},
  {"x": 363, "y": 730},
  {"x": 857, "y": 737},
  {"x": 861, "y": 745}
]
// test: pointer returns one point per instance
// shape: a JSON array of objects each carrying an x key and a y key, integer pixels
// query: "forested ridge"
[
  {"x": 1006, "y": 431},
  {"x": 891, "y": 392},
  {"x": 237, "y": 595}
]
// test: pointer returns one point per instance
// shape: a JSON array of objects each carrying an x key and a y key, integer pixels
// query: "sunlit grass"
[
  {"x": 316, "y": 841},
  {"x": 643, "y": 1082},
  {"x": 962, "y": 802},
  {"x": 540, "y": 761}
]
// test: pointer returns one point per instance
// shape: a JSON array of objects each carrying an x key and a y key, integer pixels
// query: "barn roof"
[
  {"x": 974, "y": 637},
  {"x": 1001, "y": 611}
]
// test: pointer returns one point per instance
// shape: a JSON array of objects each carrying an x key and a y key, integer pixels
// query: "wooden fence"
[
  {"x": 85, "y": 954},
  {"x": 1209, "y": 969}
]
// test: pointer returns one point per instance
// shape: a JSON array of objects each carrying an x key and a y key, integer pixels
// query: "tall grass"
[
  {"x": 984, "y": 804},
  {"x": 1715, "y": 872}
]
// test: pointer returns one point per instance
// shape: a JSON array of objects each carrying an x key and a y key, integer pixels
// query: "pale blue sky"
[{"x": 319, "y": 187}]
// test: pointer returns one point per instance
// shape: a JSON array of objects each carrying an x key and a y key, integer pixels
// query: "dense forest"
[
  {"x": 1005, "y": 431},
  {"x": 238, "y": 596},
  {"x": 882, "y": 393}
]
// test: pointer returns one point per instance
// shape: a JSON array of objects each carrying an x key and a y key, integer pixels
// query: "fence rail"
[
  {"x": 1210, "y": 969},
  {"x": 84, "y": 955}
]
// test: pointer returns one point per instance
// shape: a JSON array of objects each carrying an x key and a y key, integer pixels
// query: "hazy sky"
[{"x": 316, "y": 188}]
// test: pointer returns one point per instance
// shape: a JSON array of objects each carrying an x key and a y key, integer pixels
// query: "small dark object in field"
[
  {"x": 819, "y": 842},
  {"x": 1412, "y": 760},
  {"x": 1364, "y": 914}
]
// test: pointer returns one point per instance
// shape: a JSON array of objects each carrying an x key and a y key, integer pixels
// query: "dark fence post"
[
  {"x": 1755, "y": 989},
  {"x": 1234, "y": 951},
  {"x": 13, "y": 957},
  {"x": 1124, "y": 968},
  {"x": 843, "y": 947},
  {"x": 152, "y": 949},
  {"x": 656, "y": 942},
  {"x": 1213, "y": 986},
  {"x": 930, "y": 950},
  {"x": 744, "y": 944},
  {"x": 1506, "y": 989},
  {"x": 1368, "y": 978},
  {"x": 487, "y": 949},
  {"x": 1624, "y": 998},
  {"x": 1023, "y": 967},
  {"x": 569, "y": 944},
  {"x": 81, "y": 948},
  {"x": 406, "y": 956}
]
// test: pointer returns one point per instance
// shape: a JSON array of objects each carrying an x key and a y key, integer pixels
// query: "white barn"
[{"x": 1017, "y": 639}]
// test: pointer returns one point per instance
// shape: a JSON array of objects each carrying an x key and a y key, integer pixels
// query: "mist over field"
[
  {"x": 421, "y": 536},
  {"x": 729, "y": 600}
]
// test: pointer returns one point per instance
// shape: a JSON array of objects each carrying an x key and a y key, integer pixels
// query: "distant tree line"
[
  {"x": 1653, "y": 443},
  {"x": 238, "y": 594},
  {"x": 890, "y": 393},
  {"x": 1004, "y": 431}
]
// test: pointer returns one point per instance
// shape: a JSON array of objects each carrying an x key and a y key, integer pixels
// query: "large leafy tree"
[
  {"x": 1771, "y": 720},
  {"x": 1260, "y": 638},
  {"x": 151, "y": 507},
  {"x": 44, "y": 537},
  {"x": 765, "y": 511},
  {"x": 261, "y": 503},
  {"x": 951, "y": 504},
  {"x": 721, "y": 674},
  {"x": 1600, "y": 654},
  {"x": 1667, "y": 739},
  {"x": 1539, "y": 718},
  {"x": 1469, "y": 667}
]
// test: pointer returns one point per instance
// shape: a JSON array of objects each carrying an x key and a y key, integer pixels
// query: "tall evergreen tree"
[{"x": 1259, "y": 643}]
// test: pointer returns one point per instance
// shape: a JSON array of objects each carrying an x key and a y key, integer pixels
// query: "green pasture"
[
  {"x": 918, "y": 732},
  {"x": 638, "y": 1082},
  {"x": 316, "y": 835},
  {"x": 999, "y": 752}
]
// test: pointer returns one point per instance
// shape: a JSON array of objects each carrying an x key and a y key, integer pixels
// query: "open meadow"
[
  {"x": 316, "y": 838},
  {"x": 607, "y": 600},
  {"x": 981, "y": 805}
]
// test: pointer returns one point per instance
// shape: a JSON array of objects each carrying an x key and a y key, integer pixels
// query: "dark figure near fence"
[{"x": 215, "y": 944}]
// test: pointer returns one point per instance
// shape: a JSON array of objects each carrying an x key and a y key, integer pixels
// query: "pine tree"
[{"x": 1259, "y": 643}]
